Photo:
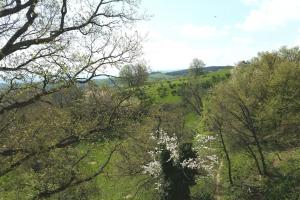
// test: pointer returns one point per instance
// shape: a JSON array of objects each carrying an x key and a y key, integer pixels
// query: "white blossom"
[
  {"x": 208, "y": 158},
  {"x": 190, "y": 163},
  {"x": 153, "y": 168},
  {"x": 163, "y": 141},
  {"x": 167, "y": 142}
]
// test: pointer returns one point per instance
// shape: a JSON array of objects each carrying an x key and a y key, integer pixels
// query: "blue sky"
[{"x": 220, "y": 32}]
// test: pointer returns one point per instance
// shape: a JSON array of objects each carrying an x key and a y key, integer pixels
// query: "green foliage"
[
  {"x": 203, "y": 195},
  {"x": 259, "y": 98},
  {"x": 162, "y": 91},
  {"x": 257, "y": 110},
  {"x": 283, "y": 187},
  {"x": 56, "y": 159},
  {"x": 134, "y": 75},
  {"x": 204, "y": 189},
  {"x": 196, "y": 67}
]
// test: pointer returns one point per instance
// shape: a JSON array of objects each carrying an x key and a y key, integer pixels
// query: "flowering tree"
[
  {"x": 208, "y": 153},
  {"x": 174, "y": 166}
]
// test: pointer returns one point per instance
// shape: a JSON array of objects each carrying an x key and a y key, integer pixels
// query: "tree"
[
  {"x": 174, "y": 167},
  {"x": 49, "y": 45},
  {"x": 254, "y": 116},
  {"x": 134, "y": 75},
  {"x": 214, "y": 119},
  {"x": 50, "y": 146},
  {"x": 196, "y": 67},
  {"x": 240, "y": 109},
  {"x": 177, "y": 179},
  {"x": 48, "y": 48},
  {"x": 192, "y": 94}
]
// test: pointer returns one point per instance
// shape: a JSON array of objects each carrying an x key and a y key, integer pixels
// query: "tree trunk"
[
  {"x": 255, "y": 159},
  {"x": 253, "y": 156},
  {"x": 227, "y": 157},
  {"x": 261, "y": 155}
]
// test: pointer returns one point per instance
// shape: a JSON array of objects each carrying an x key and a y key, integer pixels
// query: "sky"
[{"x": 220, "y": 32}]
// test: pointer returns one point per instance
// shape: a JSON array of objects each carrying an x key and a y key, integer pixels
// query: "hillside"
[
  {"x": 83, "y": 116},
  {"x": 176, "y": 73},
  {"x": 184, "y": 72}
]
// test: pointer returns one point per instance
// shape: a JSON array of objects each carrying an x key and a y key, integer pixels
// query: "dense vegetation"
[
  {"x": 251, "y": 114},
  {"x": 256, "y": 116},
  {"x": 225, "y": 133}
]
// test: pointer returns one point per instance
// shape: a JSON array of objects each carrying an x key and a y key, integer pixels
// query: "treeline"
[{"x": 256, "y": 115}]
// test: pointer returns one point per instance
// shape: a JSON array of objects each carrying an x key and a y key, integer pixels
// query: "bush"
[
  {"x": 203, "y": 195},
  {"x": 162, "y": 91},
  {"x": 174, "y": 92},
  {"x": 283, "y": 187}
]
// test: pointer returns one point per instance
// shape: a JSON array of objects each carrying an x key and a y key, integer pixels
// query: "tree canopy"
[
  {"x": 49, "y": 45},
  {"x": 196, "y": 67},
  {"x": 134, "y": 75},
  {"x": 48, "y": 49}
]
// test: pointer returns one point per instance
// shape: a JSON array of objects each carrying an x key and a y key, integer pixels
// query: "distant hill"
[
  {"x": 184, "y": 72},
  {"x": 154, "y": 75},
  {"x": 159, "y": 76}
]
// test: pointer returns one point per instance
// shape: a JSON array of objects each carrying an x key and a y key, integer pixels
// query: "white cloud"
[
  {"x": 162, "y": 52},
  {"x": 272, "y": 14},
  {"x": 166, "y": 54},
  {"x": 202, "y": 32}
]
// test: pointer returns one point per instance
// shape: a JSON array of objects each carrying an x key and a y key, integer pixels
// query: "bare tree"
[{"x": 48, "y": 45}]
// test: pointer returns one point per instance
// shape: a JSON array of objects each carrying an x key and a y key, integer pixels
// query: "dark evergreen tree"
[{"x": 176, "y": 180}]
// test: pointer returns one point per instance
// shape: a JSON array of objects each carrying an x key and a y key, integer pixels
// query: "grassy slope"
[
  {"x": 119, "y": 187},
  {"x": 244, "y": 168},
  {"x": 112, "y": 185}
]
